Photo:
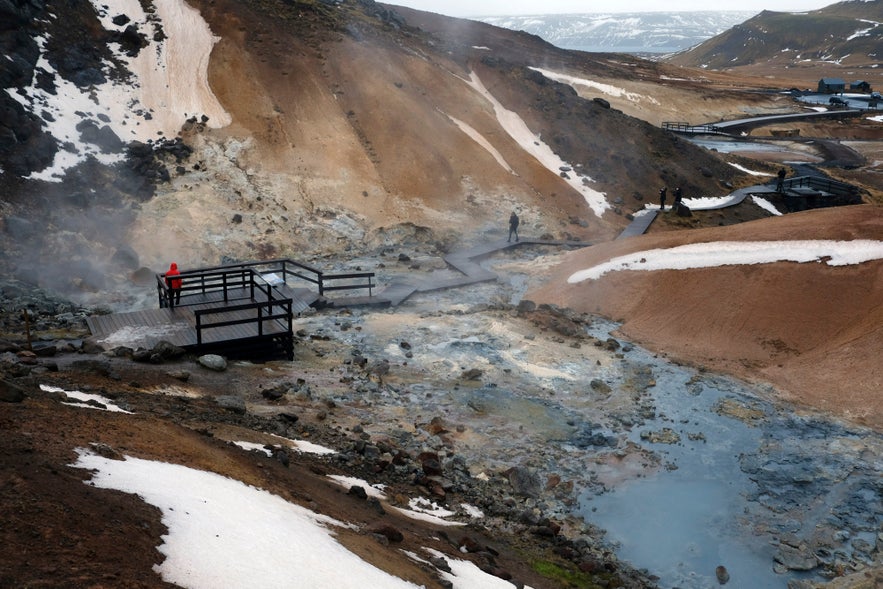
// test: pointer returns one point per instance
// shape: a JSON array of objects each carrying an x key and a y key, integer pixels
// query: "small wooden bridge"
[{"x": 247, "y": 310}]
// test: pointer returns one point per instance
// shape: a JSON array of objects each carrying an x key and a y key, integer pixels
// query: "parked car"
[
  {"x": 837, "y": 101},
  {"x": 876, "y": 96}
]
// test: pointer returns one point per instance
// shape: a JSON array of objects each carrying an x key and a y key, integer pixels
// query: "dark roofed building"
[
  {"x": 860, "y": 86},
  {"x": 831, "y": 85}
]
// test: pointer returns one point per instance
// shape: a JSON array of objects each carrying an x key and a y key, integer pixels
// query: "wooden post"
[{"x": 28, "y": 329}]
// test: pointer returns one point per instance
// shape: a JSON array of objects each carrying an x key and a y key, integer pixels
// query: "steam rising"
[{"x": 71, "y": 235}]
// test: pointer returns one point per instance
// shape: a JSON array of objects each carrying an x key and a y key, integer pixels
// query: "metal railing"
[
  {"x": 263, "y": 311},
  {"x": 680, "y": 127},
  {"x": 819, "y": 183},
  {"x": 225, "y": 278}
]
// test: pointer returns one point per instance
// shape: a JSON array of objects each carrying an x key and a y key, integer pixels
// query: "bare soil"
[{"x": 813, "y": 330}]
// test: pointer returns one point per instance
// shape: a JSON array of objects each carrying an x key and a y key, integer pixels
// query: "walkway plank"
[{"x": 639, "y": 224}]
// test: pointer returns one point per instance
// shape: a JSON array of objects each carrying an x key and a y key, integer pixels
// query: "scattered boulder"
[
  {"x": 11, "y": 393},
  {"x": 282, "y": 455},
  {"x": 358, "y": 492},
  {"x": 8, "y": 346},
  {"x": 233, "y": 403},
  {"x": 168, "y": 351},
  {"x": 275, "y": 393},
  {"x": 391, "y": 533},
  {"x": 599, "y": 386},
  {"x": 106, "y": 451},
  {"x": 143, "y": 276},
  {"x": 213, "y": 362},
  {"x": 182, "y": 375},
  {"x": 430, "y": 463},
  {"x": 664, "y": 436},
  {"x": 525, "y": 481},
  {"x": 93, "y": 366},
  {"x": 471, "y": 374}
]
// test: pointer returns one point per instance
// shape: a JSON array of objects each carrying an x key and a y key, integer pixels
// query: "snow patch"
[
  {"x": 518, "y": 130},
  {"x": 224, "y": 533},
  {"x": 729, "y": 253},
  {"x": 86, "y": 400},
  {"x": 607, "y": 89},
  {"x": 479, "y": 138},
  {"x": 766, "y": 205}
]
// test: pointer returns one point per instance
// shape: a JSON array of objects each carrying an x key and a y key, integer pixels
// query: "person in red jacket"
[{"x": 174, "y": 285}]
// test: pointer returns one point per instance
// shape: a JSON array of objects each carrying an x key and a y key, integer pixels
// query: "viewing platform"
[{"x": 236, "y": 310}]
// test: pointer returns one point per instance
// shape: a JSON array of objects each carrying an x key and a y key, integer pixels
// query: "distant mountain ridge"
[
  {"x": 636, "y": 32},
  {"x": 846, "y": 34}
]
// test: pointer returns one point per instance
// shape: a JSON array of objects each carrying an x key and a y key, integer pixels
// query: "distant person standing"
[
  {"x": 780, "y": 185},
  {"x": 174, "y": 285},
  {"x": 662, "y": 193},
  {"x": 513, "y": 226},
  {"x": 678, "y": 196}
]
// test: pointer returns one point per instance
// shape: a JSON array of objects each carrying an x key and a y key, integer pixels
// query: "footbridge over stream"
[{"x": 247, "y": 310}]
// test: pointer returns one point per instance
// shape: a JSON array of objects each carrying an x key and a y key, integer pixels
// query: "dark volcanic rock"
[{"x": 11, "y": 393}]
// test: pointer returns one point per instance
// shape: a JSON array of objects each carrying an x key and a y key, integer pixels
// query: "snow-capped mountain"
[{"x": 638, "y": 32}]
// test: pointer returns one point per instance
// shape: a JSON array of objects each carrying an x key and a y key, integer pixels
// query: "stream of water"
[{"x": 708, "y": 506}]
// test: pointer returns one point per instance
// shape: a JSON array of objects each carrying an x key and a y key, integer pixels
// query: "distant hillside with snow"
[
  {"x": 847, "y": 33},
  {"x": 637, "y": 32}
]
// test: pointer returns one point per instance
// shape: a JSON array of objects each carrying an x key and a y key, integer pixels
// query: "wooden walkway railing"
[
  {"x": 233, "y": 306},
  {"x": 199, "y": 283},
  {"x": 237, "y": 307},
  {"x": 687, "y": 128}
]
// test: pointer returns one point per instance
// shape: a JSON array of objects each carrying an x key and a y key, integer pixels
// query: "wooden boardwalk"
[
  {"x": 796, "y": 188},
  {"x": 146, "y": 328},
  {"x": 239, "y": 311},
  {"x": 466, "y": 262}
]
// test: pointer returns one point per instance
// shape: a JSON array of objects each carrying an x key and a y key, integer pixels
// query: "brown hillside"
[{"x": 812, "y": 330}]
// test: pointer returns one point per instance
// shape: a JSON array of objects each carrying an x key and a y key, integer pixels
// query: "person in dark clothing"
[
  {"x": 174, "y": 285},
  {"x": 662, "y": 193},
  {"x": 513, "y": 226},
  {"x": 678, "y": 196},
  {"x": 780, "y": 185}
]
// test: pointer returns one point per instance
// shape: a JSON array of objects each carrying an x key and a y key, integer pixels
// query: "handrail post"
[
  {"x": 290, "y": 340},
  {"x": 321, "y": 285},
  {"x": 198, "y": 329},
  {"x": 260, "y": 321},
  {"x": 224, "y": 282}
]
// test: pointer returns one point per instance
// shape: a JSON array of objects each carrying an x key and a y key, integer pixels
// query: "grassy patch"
[{"x": 569, "y": 577}]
